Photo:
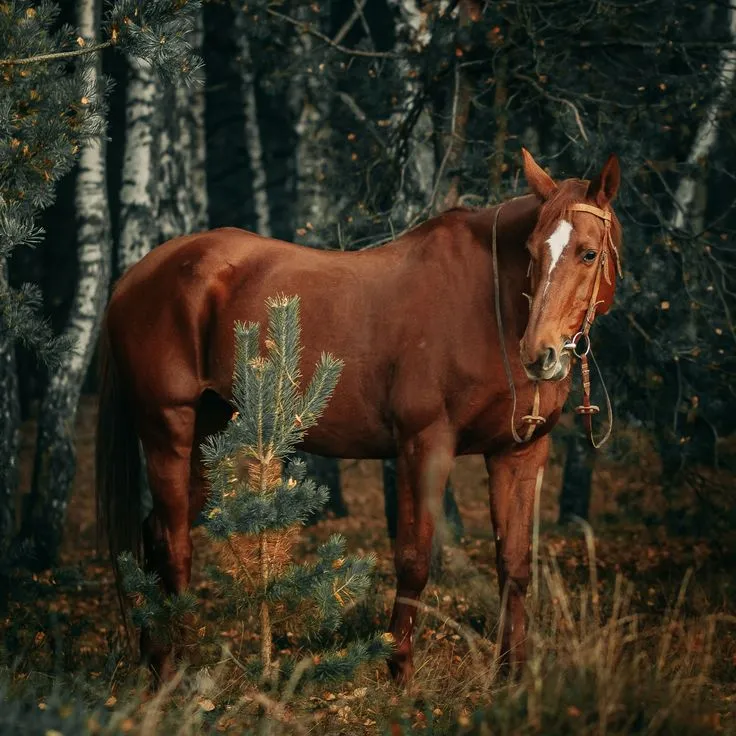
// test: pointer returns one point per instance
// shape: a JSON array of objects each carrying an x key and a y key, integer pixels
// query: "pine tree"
[{"x": 255, "y": 509}]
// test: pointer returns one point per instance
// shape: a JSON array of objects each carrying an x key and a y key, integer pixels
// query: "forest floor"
[{"x": 632, "y": 655}]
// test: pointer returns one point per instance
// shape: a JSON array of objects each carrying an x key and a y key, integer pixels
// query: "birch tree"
[
  {"x": 55, "y": 462},
  {"x": 311, "y": 105},
  {"x": 139, "y": 190},
  {"x": 412, "y": 38},
  {"x": 707, "y": 133},
  {"x": 253, "y": 140},
  {"x": 181, "y": 175}
]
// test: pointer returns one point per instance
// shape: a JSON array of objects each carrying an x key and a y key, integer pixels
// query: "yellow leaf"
[
  {"x": 81, "y": 42},
  {"x": 206, "y": 704},
  {"x": 110, "y": 702}
]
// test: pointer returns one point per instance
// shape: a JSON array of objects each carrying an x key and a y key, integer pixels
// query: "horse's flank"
[{"x": 413, "y": 320}]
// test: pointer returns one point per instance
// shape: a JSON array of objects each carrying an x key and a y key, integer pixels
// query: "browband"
[{"x": 605, "y": 215}]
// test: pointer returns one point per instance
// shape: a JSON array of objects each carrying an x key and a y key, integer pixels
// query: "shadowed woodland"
[{"x": 341, "y": 125}]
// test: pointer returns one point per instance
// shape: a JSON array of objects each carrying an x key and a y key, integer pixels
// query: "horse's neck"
[{"x": 516, "y": 221}]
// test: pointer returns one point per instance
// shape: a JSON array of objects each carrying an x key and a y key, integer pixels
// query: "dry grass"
[{"x": 631, "y": 635}]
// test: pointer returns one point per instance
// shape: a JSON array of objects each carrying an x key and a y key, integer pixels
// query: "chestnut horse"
[{"x": 427, "y": 365}]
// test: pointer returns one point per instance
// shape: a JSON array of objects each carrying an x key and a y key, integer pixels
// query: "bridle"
[{"x": 586, "y": 409}]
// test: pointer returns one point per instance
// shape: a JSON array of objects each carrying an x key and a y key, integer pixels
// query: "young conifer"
[{"x": 257, "y": 505}]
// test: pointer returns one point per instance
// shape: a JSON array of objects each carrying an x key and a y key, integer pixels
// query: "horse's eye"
[{"x": 589, "y": 256}]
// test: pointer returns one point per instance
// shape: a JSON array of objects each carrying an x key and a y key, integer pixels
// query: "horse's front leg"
[
  {"x": 423, "y": 466},
  {"x": 512, "y": 479}
]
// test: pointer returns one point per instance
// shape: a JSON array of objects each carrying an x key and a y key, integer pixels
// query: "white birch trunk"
[
  {"x": 420, "y": 165},
  {"x": 198, "y": 97},
  {"x": 314, "y": 210},
  {"x": 55, "y": 456},
  {"x": 181, "y": 176},
  {"x": 253, "y": 142},
  {"x": 707, "y": 133},
  {"x": 139, "y": 190}
]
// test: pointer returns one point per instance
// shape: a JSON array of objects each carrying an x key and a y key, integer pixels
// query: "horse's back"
[{"x": 171, "y": 320}]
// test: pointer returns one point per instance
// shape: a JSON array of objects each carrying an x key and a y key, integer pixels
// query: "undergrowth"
[{"x": 597, "y": 665}]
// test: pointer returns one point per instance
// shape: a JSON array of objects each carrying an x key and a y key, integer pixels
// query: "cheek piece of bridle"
[{"x": 579, "y": 345}]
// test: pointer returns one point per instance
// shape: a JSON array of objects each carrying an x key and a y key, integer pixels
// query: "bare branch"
[
  {"x": 307, "y": 28},
  {"x": 555, "y": 98}
]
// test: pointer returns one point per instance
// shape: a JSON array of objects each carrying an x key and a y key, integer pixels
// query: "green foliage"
[
  {"x": 156, "y": 31},
  {"x": 271, "y": 418},
  {"x": 49, "y": 109},
  {"x": 162, "y": 615}
]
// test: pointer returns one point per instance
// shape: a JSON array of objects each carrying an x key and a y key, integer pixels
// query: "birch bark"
[
  {"x": 139, "y": 191},
  {"x": 181, "y": 177},
  {"x": 253, "y": 139},
  {"x": 55, "y": 463},
  {"x": 415, "y": 198},
  {"x": 311, "y": 107},
  {"x": 707, "y": 133}
]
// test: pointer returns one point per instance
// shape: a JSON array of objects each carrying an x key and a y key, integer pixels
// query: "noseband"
[{"x": 579, "y": 345}]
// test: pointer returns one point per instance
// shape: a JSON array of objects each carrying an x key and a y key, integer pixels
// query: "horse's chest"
[{"x": 489, "y": 422}]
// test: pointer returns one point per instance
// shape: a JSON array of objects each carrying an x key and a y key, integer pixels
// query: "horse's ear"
[
  {"x": 604, "y": 187},
  {"x": 541, "y": 183}
]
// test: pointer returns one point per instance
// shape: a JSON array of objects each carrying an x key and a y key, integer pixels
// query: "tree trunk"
[
  {"x": 457, "y": 112},
  {"x": 198, "y": 102},
  {"x": 253, "y": 140},
  {"x": 420, "y": 161},
  {"x": 707, "y": 133},
  {"x": 687, "y": 216},
  {"x": 577, "y": 476},
  {"x": 181, "y": 177},
  {"x": 9, "y": 429},
  {"x": 139, "y": 190},
  {"x": 55, "y": 462},
  {"x": 311, "y": 106}
]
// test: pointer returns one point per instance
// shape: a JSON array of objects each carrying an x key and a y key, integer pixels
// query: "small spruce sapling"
[{"x": 255, "y": 509}]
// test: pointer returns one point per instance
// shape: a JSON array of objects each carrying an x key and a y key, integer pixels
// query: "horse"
[{"x": 448, "y": 334}]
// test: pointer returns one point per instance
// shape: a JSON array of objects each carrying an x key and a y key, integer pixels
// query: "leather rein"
[{"x": 579, "y": 345}]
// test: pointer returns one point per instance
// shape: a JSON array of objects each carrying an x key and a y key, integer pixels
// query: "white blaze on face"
[{"x": 557, "y": 242}]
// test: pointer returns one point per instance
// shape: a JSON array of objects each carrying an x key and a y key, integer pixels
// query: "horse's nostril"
[{"x": 549, "y": 359}]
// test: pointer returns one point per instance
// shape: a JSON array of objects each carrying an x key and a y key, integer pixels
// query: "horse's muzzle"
[{"x": 550, "y": 365}]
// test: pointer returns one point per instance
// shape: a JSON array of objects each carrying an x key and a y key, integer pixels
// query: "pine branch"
[{"x": 59, "y": 55}]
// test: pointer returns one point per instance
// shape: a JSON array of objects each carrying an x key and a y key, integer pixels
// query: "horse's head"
[{"x": 574, "y": 260}]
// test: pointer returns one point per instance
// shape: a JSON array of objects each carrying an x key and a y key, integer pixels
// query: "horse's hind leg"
[
  {"x": 512, "y": 481},
  {"x": 423, "y": 466},
  {"x": 167, "y": 443}
]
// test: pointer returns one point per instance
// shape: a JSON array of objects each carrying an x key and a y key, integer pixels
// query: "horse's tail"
[{"x": 117, "y": 472}]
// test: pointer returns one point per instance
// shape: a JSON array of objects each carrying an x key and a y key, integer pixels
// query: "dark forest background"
[{"x": 340, "y": 124}]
